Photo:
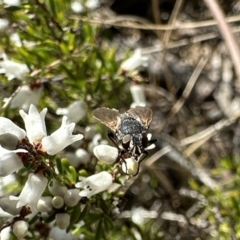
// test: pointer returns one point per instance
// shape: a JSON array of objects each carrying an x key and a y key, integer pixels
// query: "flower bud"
[
  {"x": 75, "y": 112},
  {"x": 9, "y": 161},
  {"x": 89, "y": 133},
  {"x": 57, "y": 202},
  {"x": 130, "y": 166},
  {"x": 45, "y": 204},
  {"x": 83, "y": 156},
  {"x": 62, "y": 220},
  {"x": 72, "y": 197},
  {"x": 9, "y": 205},
  {"x": 56, "y": 189},
  {"x": 138, "y": 95},
  {"x": 20, "y": 229},
  {"x": 106, "y": 153}
]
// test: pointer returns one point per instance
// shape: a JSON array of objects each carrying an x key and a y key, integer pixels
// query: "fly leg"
[{"x": 121, "y": 152}]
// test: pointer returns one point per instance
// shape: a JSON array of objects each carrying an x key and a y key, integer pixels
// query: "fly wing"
[
  {"x": 108, "y": 117},
  {"x": 143, "y": 113}
]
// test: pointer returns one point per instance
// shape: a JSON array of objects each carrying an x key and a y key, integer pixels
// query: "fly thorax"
[{"x": 130, "y": 126}]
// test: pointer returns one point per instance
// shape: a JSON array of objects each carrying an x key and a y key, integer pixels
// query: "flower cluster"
[{"x": 30, "y": 149}]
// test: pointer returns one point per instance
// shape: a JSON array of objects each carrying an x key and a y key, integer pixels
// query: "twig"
[
  {"x": 172, "y": 21},
  {"x": 177, "y": 26},
  {"x": 211, "y": 130},
  {"x": 152, "y": 159},
  {"x": 156, "y": 15},
  {"x": 227, "y": 34},
  {"x": 163, "y": 180},
  {"x": 7, "y": 103},
  {"x": 178, "y": 105},
  {"x": 197, "y": 71},
  {"x": 166, "y": 38},
  {"x": 185, "y": 41},
  {"x": 177, "y": 157}
]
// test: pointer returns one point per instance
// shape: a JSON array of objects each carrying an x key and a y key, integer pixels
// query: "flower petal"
[
  {"x": 34, "y": 123},
  {"x": 7, "y": 126},
  {"x": 9, "y": 161},
  {"x": 14, "y": 69},
  {"x": 61, "y": 138},
  {"x": 32, "y": 191},
  {"x": 134, "y": 61},
  {"x": 94, "y": 184}
]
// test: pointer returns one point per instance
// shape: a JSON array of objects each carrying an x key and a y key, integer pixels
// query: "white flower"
[
  {"x": 10, "y": 161},
  {"x": 16, "y": 39},
  {"x": 58, "y": 234},
  {"x": 12, "y": 2},
  {"x": 77, "y": 7},
  {"x": 3, "y": 23},
  {"x": 61, "y": 138},
  {"x": 26, "y": 96},
  {"x": 75, "y": 112},
  {"x": 20, "y": 229},
  {"x": 92, "y": 4},
  {"x": 138, "y": 96},
  {"x": 34, "y": 124},
  {"x": 135, "y": 61},
  {"x": 94, "y": 184},
  {"x": 13, "y": 69},
  {"x": 106, "y": 153},
  {"x": 62, "y": 220},
  {"x": 130, "y": 166},
  {"x": 32, "y": 191}
]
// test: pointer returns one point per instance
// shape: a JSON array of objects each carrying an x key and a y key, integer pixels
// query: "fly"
[{"x": 129, "y": 130}]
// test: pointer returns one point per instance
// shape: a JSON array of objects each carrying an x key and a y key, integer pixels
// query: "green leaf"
[
  {"x": 50, "y": 218},
  {"x": 72, "y": 174},
  {"x": 75, "y": 214},
  {"x": 59, "y": 166},
  {"x": 84, "y": 212},
  {"x": 99, "y": 232}
]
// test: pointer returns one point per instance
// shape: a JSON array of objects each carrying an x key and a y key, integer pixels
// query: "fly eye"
[{"x": 126, "y": 139}]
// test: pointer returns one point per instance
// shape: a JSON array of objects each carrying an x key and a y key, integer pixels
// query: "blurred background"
[{"x": 180, "y": 58}]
